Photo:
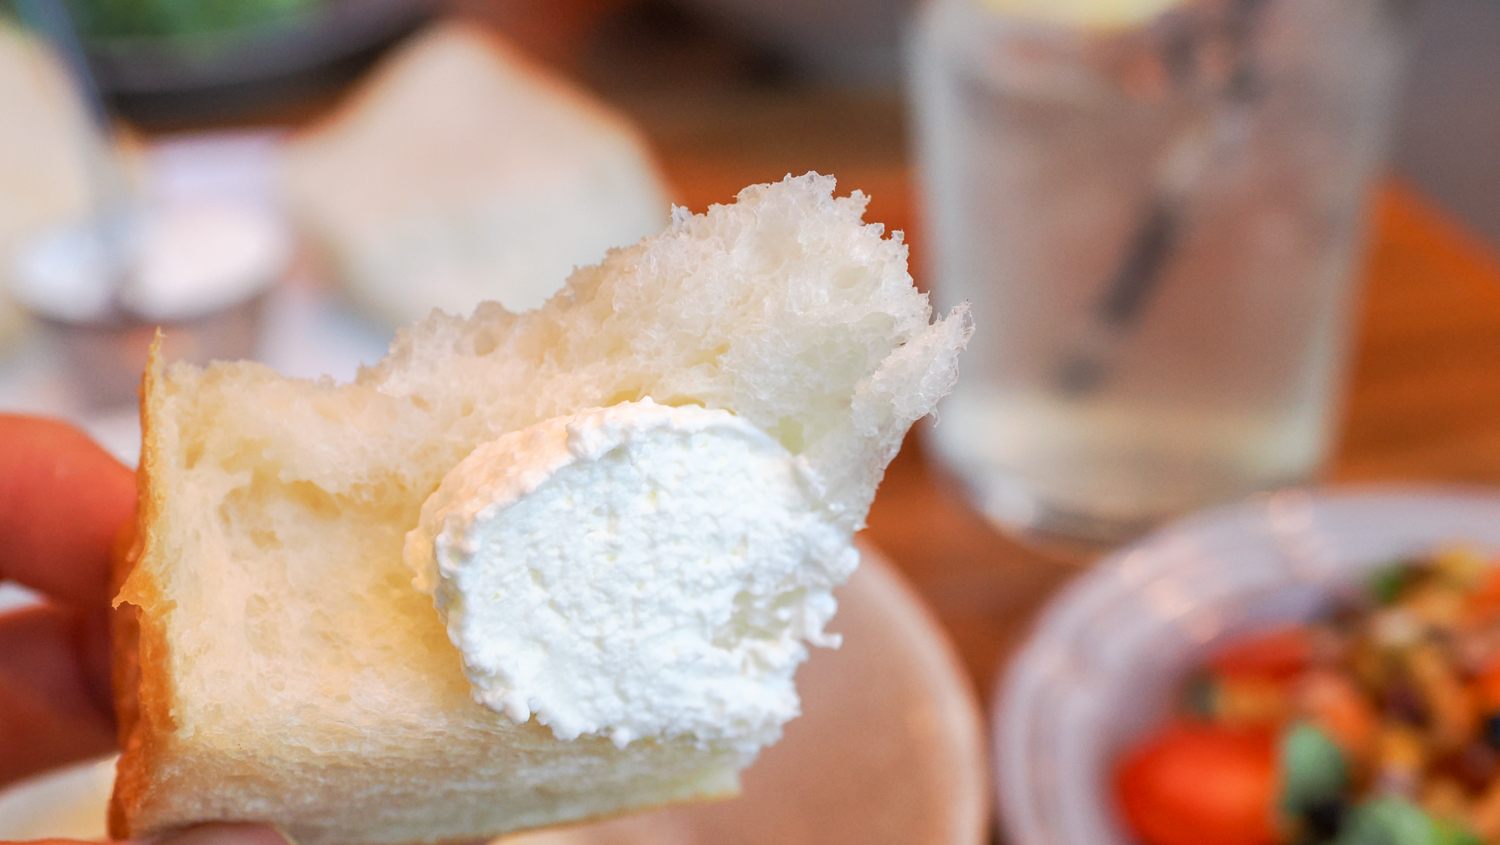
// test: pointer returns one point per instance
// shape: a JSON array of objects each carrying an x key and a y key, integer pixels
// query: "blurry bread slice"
[
  {"x": 42, "y": 152},
  {"x": 289, "y": 671},
  {"x": 460, "y": 172},
  {"x": 47, "y": 144}
]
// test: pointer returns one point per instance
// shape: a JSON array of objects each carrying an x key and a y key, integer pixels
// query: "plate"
[
  {"x": 888, "y": 750},
  {"x": 1105, "y": 659}
]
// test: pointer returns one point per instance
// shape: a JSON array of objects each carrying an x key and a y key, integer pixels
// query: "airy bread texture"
[{"x": 290, "y": 672}]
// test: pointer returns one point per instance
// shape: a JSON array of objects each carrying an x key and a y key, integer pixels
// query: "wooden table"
[{"x": 1423, "y": 402}]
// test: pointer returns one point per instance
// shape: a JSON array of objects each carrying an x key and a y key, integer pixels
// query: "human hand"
[{"x": 63, "y": 503}]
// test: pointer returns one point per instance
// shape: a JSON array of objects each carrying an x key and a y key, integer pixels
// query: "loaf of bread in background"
[
  {"x": 461, "y": 172},
  {"x": 44, "y": 152},
  {"x": 289, "y": 671}
]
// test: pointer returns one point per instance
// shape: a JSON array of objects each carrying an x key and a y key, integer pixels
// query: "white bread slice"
[
  {"x": 288, "y": 669},
  {"x": 460, "y": 172}
]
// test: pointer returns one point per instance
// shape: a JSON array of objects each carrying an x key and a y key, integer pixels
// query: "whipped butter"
[{"x": 634, "y": 571}]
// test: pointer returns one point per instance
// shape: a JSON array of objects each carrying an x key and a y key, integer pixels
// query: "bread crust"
[{"x": 138, "y": 645}]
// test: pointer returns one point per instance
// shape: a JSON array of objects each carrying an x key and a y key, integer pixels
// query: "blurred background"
[
  {"x": 699, "y": 96},
  {"x": 1214, "y": 247}
]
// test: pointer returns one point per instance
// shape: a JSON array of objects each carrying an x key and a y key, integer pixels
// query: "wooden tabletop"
[{"x": 1423, "y": 399}]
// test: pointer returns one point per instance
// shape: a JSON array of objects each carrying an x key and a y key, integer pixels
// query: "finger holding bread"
[{"x": 63, "y": 500}]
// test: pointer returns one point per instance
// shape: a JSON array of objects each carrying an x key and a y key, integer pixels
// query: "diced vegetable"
[
  {"x": 1401, "y": 758},
  {"x": 1445, "y": 798},
  {"x": 1487, "y": 687},
  {"x": 1200, "y": 696},
  {"x": 1484, "y": 817},
  {"x": 1388, "y": 582},
  {"x": 1453, "y": 717},
  {"x": 1393, "y": 821},
  {"x": 1277, "y": 655},
  {"x": 1241, "y": 701},
  {"x": 1312, "y": 767},
  {"x": 1463, "y": 568},
  {"x": 1195, "y": 784},
  {"x": 1436, "y": 603},
  {"x": 1378, "y": 724},
  {"x": 1484, "y": 602},
  {"x": 1332, "y": 702}
]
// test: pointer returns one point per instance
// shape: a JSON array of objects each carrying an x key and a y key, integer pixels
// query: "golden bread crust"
[{"x": 138, "y": 644}]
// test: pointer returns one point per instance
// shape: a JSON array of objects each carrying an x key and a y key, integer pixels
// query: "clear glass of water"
[{"x": 1157, "y": 218}]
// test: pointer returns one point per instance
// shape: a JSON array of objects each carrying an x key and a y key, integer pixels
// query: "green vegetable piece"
[
  {"x": 1313, "y": 768},
  {"x": 1202, "y": 696},
  {"x": 1387, "y": 821},
  {"x": 1452, "y": 833},
  {"x": 1396, "y": 821},
  {"x": 1387, "y": 582}
]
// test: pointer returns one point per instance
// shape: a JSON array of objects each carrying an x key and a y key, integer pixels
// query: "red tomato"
[
  {"x": 1198, "y": 784},
  {"x": 1483, "y": 603},
  {"x": 1275, "y": 655},
  {"x": 1487, "y": 686}
]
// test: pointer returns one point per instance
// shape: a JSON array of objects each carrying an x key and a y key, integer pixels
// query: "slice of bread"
[
  {"x": 496, "y": 179},
  {"x": 288, "y": 669}
]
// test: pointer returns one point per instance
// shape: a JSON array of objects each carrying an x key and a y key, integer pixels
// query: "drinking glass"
[{"x": 1156, "y": 209}]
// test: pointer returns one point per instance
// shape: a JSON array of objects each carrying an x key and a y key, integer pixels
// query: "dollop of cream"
[{"x": 634, "y": 571}]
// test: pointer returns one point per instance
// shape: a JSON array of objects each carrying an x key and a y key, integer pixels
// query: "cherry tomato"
[
  {"x": 1483, "y": 603},
  {"x": 1487, "y": 686},
  {"x": 1279, "y": 654},
  {"x": 1199, "y": 784}
]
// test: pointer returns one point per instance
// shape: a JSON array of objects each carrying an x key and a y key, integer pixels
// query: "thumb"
[
  {"x": 203, "y": 834},
  {"x": 220, "y": 833}
]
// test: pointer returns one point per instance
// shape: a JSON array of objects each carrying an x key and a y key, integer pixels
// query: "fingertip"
[
  {"x": 63, "y": 501},
  {"x": 222, "y": 833}
]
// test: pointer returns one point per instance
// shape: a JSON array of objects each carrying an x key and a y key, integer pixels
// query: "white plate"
[
  {"x": 888, "y": 750},
  {"x": 1106, "y": 657}
]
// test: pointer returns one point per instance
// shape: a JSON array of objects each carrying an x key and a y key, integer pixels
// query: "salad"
[{"x": 1377, "y": 723}]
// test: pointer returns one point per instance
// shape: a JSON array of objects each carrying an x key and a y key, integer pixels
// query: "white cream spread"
[{"x": 634, "y": 571}]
